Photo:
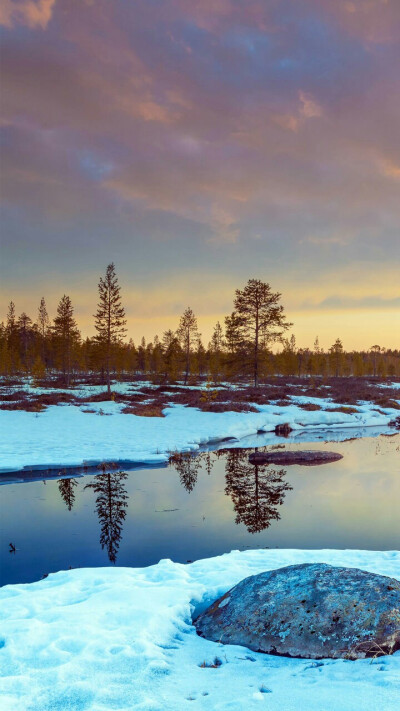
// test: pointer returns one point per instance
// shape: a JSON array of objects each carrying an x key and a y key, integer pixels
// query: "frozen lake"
[{"x": 202, "y": 506}]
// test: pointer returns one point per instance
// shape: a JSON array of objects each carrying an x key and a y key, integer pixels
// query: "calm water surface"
[{"x": 202, "y": 506}]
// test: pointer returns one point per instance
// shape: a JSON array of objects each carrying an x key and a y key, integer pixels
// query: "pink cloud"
[{"x": 27, "y": 12}]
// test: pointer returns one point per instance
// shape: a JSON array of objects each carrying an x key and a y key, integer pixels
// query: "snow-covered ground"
[
  {"x": 85, "y": 390},
  {"x": 69, "y": 435},
  {"x": 122, "y": 638}
]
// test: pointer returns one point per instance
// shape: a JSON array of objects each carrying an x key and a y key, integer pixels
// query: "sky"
[{"x": 200, "y": 143}]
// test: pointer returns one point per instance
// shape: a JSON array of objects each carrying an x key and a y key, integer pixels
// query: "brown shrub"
[
  {"x": 227, "y": 407},
  {"x": 150, "y": 410},
  {"x": 345, "y": 410},
  {"x": 387, "y": 402},
  {"x": 26, "y": 405},
  {"x": 17, "y": 395},
  {"x": 310, "y": 406}
]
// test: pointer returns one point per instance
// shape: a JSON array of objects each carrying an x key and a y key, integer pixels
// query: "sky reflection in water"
[{"x": 202, "y": 506}]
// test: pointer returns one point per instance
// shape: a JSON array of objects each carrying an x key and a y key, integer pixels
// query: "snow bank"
[
  {"x": 67, "y": 435},
  {"x": 122, "y": 638}
]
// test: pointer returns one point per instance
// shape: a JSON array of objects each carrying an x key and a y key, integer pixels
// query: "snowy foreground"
[
  {"x": 122, "y": 638},
  {"x": 70, "y": 435}
]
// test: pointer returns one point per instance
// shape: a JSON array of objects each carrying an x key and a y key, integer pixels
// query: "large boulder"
[{"x": 310, "y": 610}]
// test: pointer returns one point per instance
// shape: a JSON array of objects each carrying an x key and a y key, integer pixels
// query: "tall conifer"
[
  {"x": 110, "y": 317},
  {"x": 188, "y": 336},
  {"x": 258, "y": 319},
  {"x": 66, "y": 335}
]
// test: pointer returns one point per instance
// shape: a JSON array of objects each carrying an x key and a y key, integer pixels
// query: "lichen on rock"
[{"x": 311, "y": 610}]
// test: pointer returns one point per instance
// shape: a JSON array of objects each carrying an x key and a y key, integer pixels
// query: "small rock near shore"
[
  {"x": 283, "y": 430},
  {"x": 305, "y": 458}
]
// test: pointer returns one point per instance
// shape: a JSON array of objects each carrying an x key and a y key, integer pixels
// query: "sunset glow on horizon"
[{"x": 200, "y": 144}]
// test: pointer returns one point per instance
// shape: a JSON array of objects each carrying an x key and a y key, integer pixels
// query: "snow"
[
  {"x": 70, "y": 435},
  {"x": 66, "y": 435},
  {"x": 122, "y": 638},
  {"x": 85, "y": 390}
]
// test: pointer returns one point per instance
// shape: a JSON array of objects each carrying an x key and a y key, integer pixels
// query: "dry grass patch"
[
  {"x": 345, "y": 409},
  {"x": 150, "y": 410},
  {"x": 310, "y": 406}
]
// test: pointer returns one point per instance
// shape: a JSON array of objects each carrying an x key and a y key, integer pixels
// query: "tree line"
[{"x": 241, "y": 349}]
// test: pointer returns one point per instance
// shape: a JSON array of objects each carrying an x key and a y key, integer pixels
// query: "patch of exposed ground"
[{"x": 148, "y": 399}]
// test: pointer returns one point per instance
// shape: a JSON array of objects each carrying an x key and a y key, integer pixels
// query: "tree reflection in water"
[
  {"x": 187, "y": 465},
  {"x": 111, "y": 505},
  {"x": 256, "y": 491},
  {"x": 66, "y": 488}
]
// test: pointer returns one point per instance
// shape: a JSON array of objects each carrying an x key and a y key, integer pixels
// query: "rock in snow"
[
  {"x": 310, "y": 611},
  {"x": 305, "y": 457}
]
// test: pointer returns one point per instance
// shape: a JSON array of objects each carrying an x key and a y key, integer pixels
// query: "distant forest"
[{"x": 241, "y": 349}]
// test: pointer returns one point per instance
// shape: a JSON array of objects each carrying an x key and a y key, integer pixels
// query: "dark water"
[{"x": 202, "y": 506}]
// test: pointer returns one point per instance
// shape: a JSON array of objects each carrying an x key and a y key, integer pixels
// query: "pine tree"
[
  {"x": 188, "y": 336},
  {"x": 110, "y": 317},
  {"x": 257, "y": 321},
  {"x": 236, "y": 352},
  {"x": 66, "y": 335}
]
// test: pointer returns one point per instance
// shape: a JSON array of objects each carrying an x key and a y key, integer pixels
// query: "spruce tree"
[
  {"x": 24, "y": 326},
  {"x": 12, "y": 338},
  {"x": 336, "y": 352},
  {"x": 375, "y": 350},
  {"x": 43, "y": 325},
  {"x": 172, "y": 355},
  {"x": 215, "y": 348},
  {"x": 110, "y": 318},
  {"x": 66, "y": 335}
]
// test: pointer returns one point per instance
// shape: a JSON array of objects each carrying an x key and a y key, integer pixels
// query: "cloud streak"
[{"x": 229, "y": 138}]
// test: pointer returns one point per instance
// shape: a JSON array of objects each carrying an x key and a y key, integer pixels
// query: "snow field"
[
  {"x": 122, "y": 638},
  {"x": 66, "y": 435}
]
